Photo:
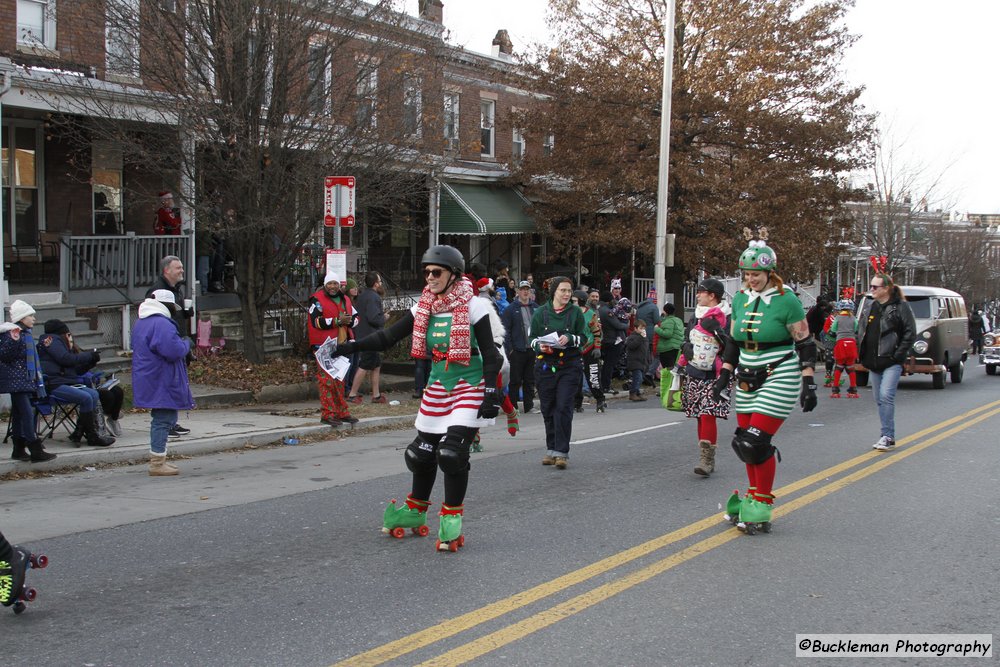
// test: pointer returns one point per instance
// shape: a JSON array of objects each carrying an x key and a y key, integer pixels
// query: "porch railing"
[{"x": 110, "y": 270}]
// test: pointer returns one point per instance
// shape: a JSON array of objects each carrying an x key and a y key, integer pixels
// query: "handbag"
[
  {"x": 673, "y": 395},
  {"x": 752, "y": 378}
]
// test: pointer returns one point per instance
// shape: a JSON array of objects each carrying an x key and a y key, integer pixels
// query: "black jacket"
[
  {"x": 896, "y": 333},
  {"x": 614, "y": 329}
]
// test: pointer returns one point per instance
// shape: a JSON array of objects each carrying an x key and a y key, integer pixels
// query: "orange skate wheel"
[
  {"x": 397, "y": 532},
  {"x": 422, "y": 531}
]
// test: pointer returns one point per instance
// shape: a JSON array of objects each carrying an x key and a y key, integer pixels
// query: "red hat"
[
  {"x": 483, "y": 284},
  {"x": 166, "y": 193}
]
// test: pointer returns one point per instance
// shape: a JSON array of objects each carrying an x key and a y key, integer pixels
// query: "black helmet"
[{"x": 446, "y": 256}]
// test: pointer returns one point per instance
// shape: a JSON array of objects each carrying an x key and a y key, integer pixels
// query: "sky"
[{"x": 929, "y": 67}]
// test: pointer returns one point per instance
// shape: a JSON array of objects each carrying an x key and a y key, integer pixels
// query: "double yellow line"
[{"x": 536, "y": 622}]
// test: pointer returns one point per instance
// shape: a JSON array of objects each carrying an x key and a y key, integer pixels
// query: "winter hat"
[
  {"x": 351, "y": 283},
  {"x": 165, "y": 194},
  {"x": 20, "y": 310},
  {"x": 651, "y": 294},
  {"x": 331, "y": 277},
  {"x": 165, "y": 296},
  {"x": 56, "y": 327},
  {"x": 501, "y": 294},
  {"x": 616, "y": 283},
  {"x": 484, "y": 285}
]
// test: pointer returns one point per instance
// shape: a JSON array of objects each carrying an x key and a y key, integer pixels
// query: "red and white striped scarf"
[{"x": 455, "y": 301}]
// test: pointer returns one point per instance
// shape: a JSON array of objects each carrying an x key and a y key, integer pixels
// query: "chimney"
[
  {"x": 502, "y": 46},
  {"x": 432, "y": 10}
]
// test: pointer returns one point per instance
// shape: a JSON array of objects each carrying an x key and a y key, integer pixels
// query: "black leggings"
[{"x": 111, "y": 401}]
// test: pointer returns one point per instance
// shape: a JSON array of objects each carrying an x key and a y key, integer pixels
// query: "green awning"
[{"x": 482, "y": 209}]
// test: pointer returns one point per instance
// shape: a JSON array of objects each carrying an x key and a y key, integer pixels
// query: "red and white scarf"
[{"x": 455, "y": 301}]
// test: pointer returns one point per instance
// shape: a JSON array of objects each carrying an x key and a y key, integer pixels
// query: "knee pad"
[
  {"x": 453, "y": 453},
  {"x": 752, "y": 445},
  {"x": 419, "y": 456}
]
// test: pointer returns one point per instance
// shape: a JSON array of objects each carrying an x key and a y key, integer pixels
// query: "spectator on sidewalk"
[
  {"x": 637, "y": 359},
  {"x": 21, "y": 377},
  {"x": 159, "y": 374},
  {"x": 614, "y": 331},
  {"x": 331, "y": 315},
  {"x": 648, "y": 312},
  {"x": 371, "y": 318},
  {"x": 171, "y": 278}
]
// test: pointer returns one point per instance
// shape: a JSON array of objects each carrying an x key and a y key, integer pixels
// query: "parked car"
[
  {"x": 990, "y": 356},
  {"x": 942, "y": 342}
]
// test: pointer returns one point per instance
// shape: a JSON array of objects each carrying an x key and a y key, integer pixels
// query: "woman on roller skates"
[
  {"x": 768, "y": 331},
  {"x": 558, "y": 366},
  {"x": 453, "y": 328},
  {"x": 844, "y": 330}
]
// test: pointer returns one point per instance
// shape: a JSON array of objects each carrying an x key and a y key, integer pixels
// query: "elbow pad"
[{"x": 806, "y": 349}]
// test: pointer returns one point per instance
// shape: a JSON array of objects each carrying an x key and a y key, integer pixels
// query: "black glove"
[
  {"x": 808, "y": 398},
  {"x": 710, "y": 324},
  {"x": 595, "y": 354},
  {"x": 721, "y": 385},
  {"x": 346, "y": 349},
  {"x": 97, "y": 356},
  {"x": 490, "y": 406}
]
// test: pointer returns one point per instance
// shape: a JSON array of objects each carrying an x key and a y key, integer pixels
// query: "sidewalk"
[{"x": 224, "y": 419}]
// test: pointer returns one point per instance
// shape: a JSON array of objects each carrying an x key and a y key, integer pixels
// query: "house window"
[
  {"x": 106, "y": 187},
  {"x": 121, "y": 37},
  {"x": 366, "y": 94},
  {"x": 487, "y": 113},
  {"x": 548, "y": 144},
  {"x": 451, "y": 121},
  {"x": 36, "y": 23},
  {"x": 517, "y": 148},
  {"x": 261, "y": 73},
  {"x": 201, "y": 65},
  {"x": 22, "y": 168},
  {"x": 412, "y": 107},
  {"x": 319, "y": 80}
]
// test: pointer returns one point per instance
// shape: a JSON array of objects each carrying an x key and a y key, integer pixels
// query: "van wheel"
[
  {"x": 957, "y": 371},
  {"x": 991, "y": 370},
  {"x": 862, "y": 377},
  {"x": 937, "y": 380}
]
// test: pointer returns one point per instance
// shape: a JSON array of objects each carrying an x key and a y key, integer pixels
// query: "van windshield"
[{"x": 921, "y": 306}]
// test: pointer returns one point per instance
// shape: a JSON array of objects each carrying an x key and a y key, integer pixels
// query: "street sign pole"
[{"x": 338, "y": 193}]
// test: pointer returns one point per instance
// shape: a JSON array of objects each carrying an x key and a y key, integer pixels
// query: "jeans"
[
  {"x": 202, "y": 262},
  {"x": 85, "y": 397},
  {"x": 884, "y": 385},
  {"x": 163, "y": 420},
  {"x": 22, "y": 416},
  {"x": 636, "y": 381}
]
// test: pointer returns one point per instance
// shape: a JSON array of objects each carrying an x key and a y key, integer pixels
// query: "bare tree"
[
  {"x": 249, "y": 103},
  {"x": 960, "y": 255}
]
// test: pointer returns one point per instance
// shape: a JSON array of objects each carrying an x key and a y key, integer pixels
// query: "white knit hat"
[
  {"x": 20, "y": 310},
  {"x": 331, "y": 277},
  {"x": 165, "y": 296}
]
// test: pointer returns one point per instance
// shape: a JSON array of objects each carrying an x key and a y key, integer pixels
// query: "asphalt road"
[{"x": 274, "y": 557}]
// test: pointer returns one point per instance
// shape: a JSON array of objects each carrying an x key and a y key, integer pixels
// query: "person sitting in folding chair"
[
  {"x": 20, "y": 376},
  {"x": 62, "y": 368}
]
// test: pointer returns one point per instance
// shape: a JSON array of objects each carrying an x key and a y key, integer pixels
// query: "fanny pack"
[{"x": 752, "y": 378}]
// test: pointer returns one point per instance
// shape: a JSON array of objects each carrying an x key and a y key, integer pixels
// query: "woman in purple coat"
[{"x": 159, "y": 374}]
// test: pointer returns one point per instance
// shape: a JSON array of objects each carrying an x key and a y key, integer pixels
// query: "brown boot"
[
  {"x": 706, "y": 466},
  {"x": 158, "y": 466}
]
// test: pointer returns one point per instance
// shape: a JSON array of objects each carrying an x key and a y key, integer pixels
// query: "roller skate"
[
  {"x": 477, "y": 444},
  {"x": 450, "y": 536},
  {"x": 733, "y": 505},
  {"x": 828, "y": 380},
  {"x": 852, "y": 392},
  {"x": 755, "y": 515},
  {"x": 12, "y": 576},
  {"x": 412, "y": 515},
  {"x": 835, "y": 392}
]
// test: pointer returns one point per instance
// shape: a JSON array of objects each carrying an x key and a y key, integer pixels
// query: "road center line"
[
  {"x": 454, "y": 626},
  {"x": 579, "y": 603}
]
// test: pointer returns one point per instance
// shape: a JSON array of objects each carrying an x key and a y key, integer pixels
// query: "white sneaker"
[{"x": 884, "y": 444}]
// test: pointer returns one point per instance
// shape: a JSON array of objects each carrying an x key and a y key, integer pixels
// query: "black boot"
[
  {"x": 20, "y": 453},
  {"x": 89, "y": 426},
  {"x": 77, "y": 434},
  {"x": 38, "y": 453}
]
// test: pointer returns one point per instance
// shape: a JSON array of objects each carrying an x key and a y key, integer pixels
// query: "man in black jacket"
[
  {"x": 371, "y": 318},
  {"x": 885, "y": 333},
  {"x": 517, "y": 323},
  {"x": 614, "y": 332}
]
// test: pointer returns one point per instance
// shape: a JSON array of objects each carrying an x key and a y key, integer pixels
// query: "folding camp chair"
[{"x": 51, "y": 413}]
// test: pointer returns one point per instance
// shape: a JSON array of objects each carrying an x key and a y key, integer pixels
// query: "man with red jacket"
[{"x": 331, "y": 315}]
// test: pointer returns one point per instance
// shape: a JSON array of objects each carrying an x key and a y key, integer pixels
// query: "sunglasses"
[{"x": 433, "y": 272}]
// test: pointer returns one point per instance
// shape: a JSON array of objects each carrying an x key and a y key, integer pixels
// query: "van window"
[
  {"x": 921, "y": 306},
  {"x": 960, "y": 310}
]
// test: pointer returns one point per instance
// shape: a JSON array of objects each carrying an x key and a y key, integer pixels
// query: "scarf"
[
  {"x": 33, "y": 363},
  {"x": 455, "y": 301}
]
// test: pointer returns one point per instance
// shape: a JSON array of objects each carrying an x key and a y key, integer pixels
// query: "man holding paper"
[{"x": 331, "y": 316}]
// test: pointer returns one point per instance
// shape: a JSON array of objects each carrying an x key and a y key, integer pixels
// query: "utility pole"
[{"x": 659, "y": 276}]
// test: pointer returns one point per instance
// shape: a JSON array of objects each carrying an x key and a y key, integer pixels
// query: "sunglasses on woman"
[{"x": 433, "y": 272}]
